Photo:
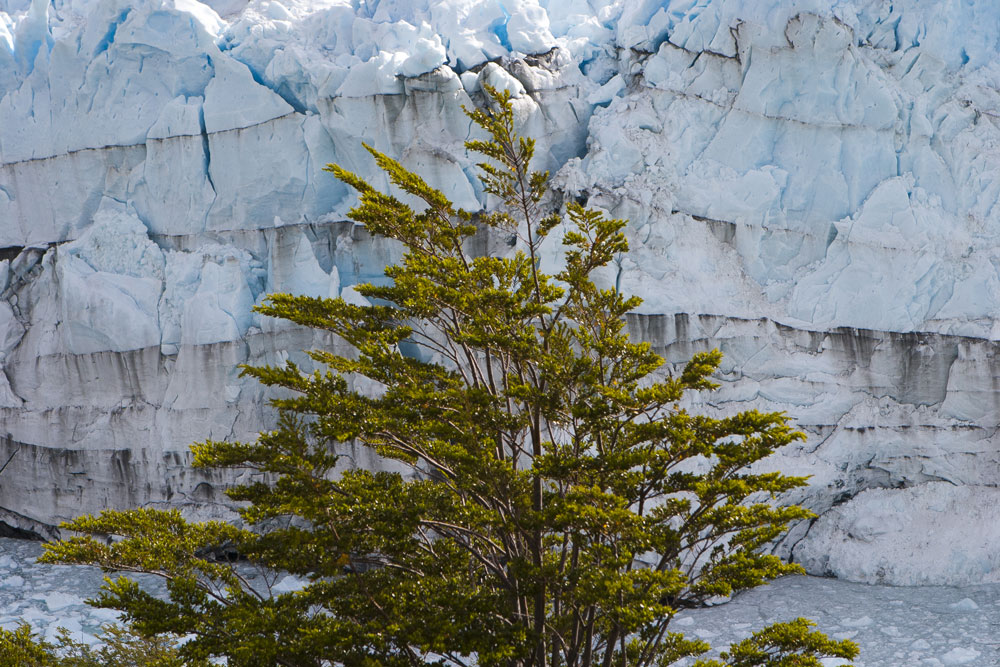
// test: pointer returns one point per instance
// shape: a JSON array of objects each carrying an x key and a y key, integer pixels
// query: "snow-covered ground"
[{"x": 915, "y": 626}]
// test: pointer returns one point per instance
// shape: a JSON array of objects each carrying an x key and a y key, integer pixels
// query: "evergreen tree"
[{"x": 559, "y": 508}]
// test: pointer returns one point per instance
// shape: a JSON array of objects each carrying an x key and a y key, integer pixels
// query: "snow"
[{"x": 811, "y": 186}]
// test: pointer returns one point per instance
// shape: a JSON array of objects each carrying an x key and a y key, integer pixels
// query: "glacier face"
[{"x": 811, "y": 186}]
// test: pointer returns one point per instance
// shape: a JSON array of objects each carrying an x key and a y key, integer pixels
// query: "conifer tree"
[{"x": 560, "y": 506}]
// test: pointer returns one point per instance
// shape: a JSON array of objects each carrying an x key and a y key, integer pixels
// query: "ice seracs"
[
  {"x": 811, "y": 186},
  {"x": 883, "y": 548}
]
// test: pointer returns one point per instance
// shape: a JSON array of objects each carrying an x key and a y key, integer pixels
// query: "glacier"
[{"x": 811, "y": 186}]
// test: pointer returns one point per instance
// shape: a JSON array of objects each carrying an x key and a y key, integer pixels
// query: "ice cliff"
[{"x": 811, "y": 186}]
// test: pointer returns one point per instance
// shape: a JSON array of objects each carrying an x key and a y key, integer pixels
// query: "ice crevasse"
[{"x": 811, "y": 186}]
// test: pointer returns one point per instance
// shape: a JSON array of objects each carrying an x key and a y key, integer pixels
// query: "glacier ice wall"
[{"x": 811, "y": 186}]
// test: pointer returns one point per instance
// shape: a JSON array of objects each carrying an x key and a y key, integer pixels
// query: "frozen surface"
[
  {"x": 811, "y": 186},
  {"x": 51, "y": 596},
  {"x": 926, "y": 626},
  {"x": 923, "y": 625}
]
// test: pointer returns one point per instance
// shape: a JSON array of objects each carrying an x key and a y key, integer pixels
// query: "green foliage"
[
  {"x": 560, "y": 506},
  {"x": 790, "y": 644},
  {"x": 118, "y": 647},
  {"x": 22, "y": 647}
]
